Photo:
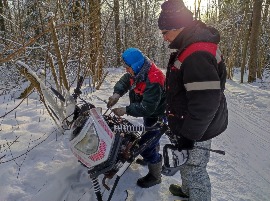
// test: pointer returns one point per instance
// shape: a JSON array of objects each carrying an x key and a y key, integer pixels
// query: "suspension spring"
[
  {"x": 128, "y": 128},
  {"x": 96, "y": 185},
  {"x": 121, "y": 124}
]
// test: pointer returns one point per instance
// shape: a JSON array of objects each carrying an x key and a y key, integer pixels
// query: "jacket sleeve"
[
  {"x": 202, "y": 83},
  {"x": 151, "y": 99},
  {"x": 123, "y": 85}
]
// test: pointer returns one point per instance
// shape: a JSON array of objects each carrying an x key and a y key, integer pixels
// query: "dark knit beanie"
[{"x": 174, "y": 15}]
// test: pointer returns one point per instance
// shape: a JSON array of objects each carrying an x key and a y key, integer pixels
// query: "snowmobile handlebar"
[
  {"x": 174, "y": 147},
  {"x": 212, "y": 150},
  {"x": 77, "y": 90},
  {"x": 76, "y": 93}
]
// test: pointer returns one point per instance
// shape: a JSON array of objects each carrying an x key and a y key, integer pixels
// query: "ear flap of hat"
[{"x": 136, "y": 67}]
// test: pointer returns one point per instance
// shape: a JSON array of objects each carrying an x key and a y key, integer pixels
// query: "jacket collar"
[{"x": 196, "y": 32}]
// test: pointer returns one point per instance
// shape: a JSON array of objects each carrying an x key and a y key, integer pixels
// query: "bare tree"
[
  {"x": 2, "y": 22},
  {"x": 96, "y": 61},
  {"x": 117, "y": 32},
  {"x": 264, "y": 35},
  {"x": 246, "y": 28},
  {"x": 256, "y": 25},
  {"x": 197, "y": 9}
]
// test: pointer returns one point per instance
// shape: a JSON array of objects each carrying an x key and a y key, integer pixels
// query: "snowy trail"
[{"x": 244, "y": 172}]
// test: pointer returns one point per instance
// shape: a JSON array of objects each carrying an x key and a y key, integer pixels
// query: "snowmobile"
[{"x": 105, "y": 144}]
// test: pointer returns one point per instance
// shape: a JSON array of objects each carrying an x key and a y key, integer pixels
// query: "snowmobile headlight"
[{"x": 89, "y": 144}]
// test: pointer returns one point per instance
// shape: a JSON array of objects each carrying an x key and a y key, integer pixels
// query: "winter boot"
[
  {"x": 177, "y": 191},
  {"x": 153, "y": 177},
  {"x": 141, "y": 161}
]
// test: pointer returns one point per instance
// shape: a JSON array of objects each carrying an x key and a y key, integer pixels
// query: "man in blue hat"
[{"x": 145, "y": 83}]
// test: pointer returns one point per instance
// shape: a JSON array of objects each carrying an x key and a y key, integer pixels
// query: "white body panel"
[{"x": 105, "y": 135}]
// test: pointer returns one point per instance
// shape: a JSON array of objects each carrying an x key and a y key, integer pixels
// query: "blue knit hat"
[{"x": 134, "y": 58}]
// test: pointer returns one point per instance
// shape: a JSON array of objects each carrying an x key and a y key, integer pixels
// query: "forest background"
[{"x": 69, "y": 38}]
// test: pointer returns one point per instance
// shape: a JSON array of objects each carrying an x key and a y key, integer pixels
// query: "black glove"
[{"x": 184, "y": 143}]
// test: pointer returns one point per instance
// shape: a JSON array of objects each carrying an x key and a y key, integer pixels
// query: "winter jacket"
[
  {"x": 195, "y": 83},
  {"x": 147, "y": 96}
]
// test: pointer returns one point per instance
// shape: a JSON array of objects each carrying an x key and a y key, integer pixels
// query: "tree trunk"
[
  {"x": 256, "y": 24},
  {"x": 96, "y": 55},
  {"x": 62, "y": 72},
  {"x": 247, "y": 26},
  {"x": 198, "y": 10},
  {"x": 125, "y": 27},
  {"x": 2, "y": 22},
  {"x": 117, "y": 32},
  {"x": 237, "y": 42},
  {"x": 195, "y": 9},
  {"x": 263, "y": 46}
]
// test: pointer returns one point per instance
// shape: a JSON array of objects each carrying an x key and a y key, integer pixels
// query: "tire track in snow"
[
  {"x": 247, "y": 144},
  {"x": 249, "y": 116},
  {"x": 253, "y": 135}
]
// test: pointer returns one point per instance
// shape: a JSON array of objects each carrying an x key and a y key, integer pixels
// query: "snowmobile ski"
[
  {"x": 119, "y": 174},
  {"x": 181, "y": 199}
]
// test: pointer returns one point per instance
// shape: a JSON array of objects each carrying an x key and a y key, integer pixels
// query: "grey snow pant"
[{"x": 195, "y": 179}]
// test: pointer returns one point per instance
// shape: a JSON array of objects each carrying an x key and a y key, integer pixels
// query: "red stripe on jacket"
[{"x": 200, "y": 46}]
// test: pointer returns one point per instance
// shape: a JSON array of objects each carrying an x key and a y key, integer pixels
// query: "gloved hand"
[
  {"x": 113, "y": 100},
  {"x": 119, "y": 111},
  {"x": 184, "y": 143}
]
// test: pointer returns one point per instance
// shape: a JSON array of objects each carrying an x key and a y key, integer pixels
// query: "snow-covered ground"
[{"x": 39, "y": 166}]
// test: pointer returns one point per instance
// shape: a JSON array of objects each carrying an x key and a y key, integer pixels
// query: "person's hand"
[
  {"x": 119, "y": 111},
  {"x": 184, "y": 143},
  {"x": 113, "y": 100}
]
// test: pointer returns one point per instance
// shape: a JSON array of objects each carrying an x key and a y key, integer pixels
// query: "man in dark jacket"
[
  {"x": 196, "y": 104},
  {"x": 145, "y": 83}
]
